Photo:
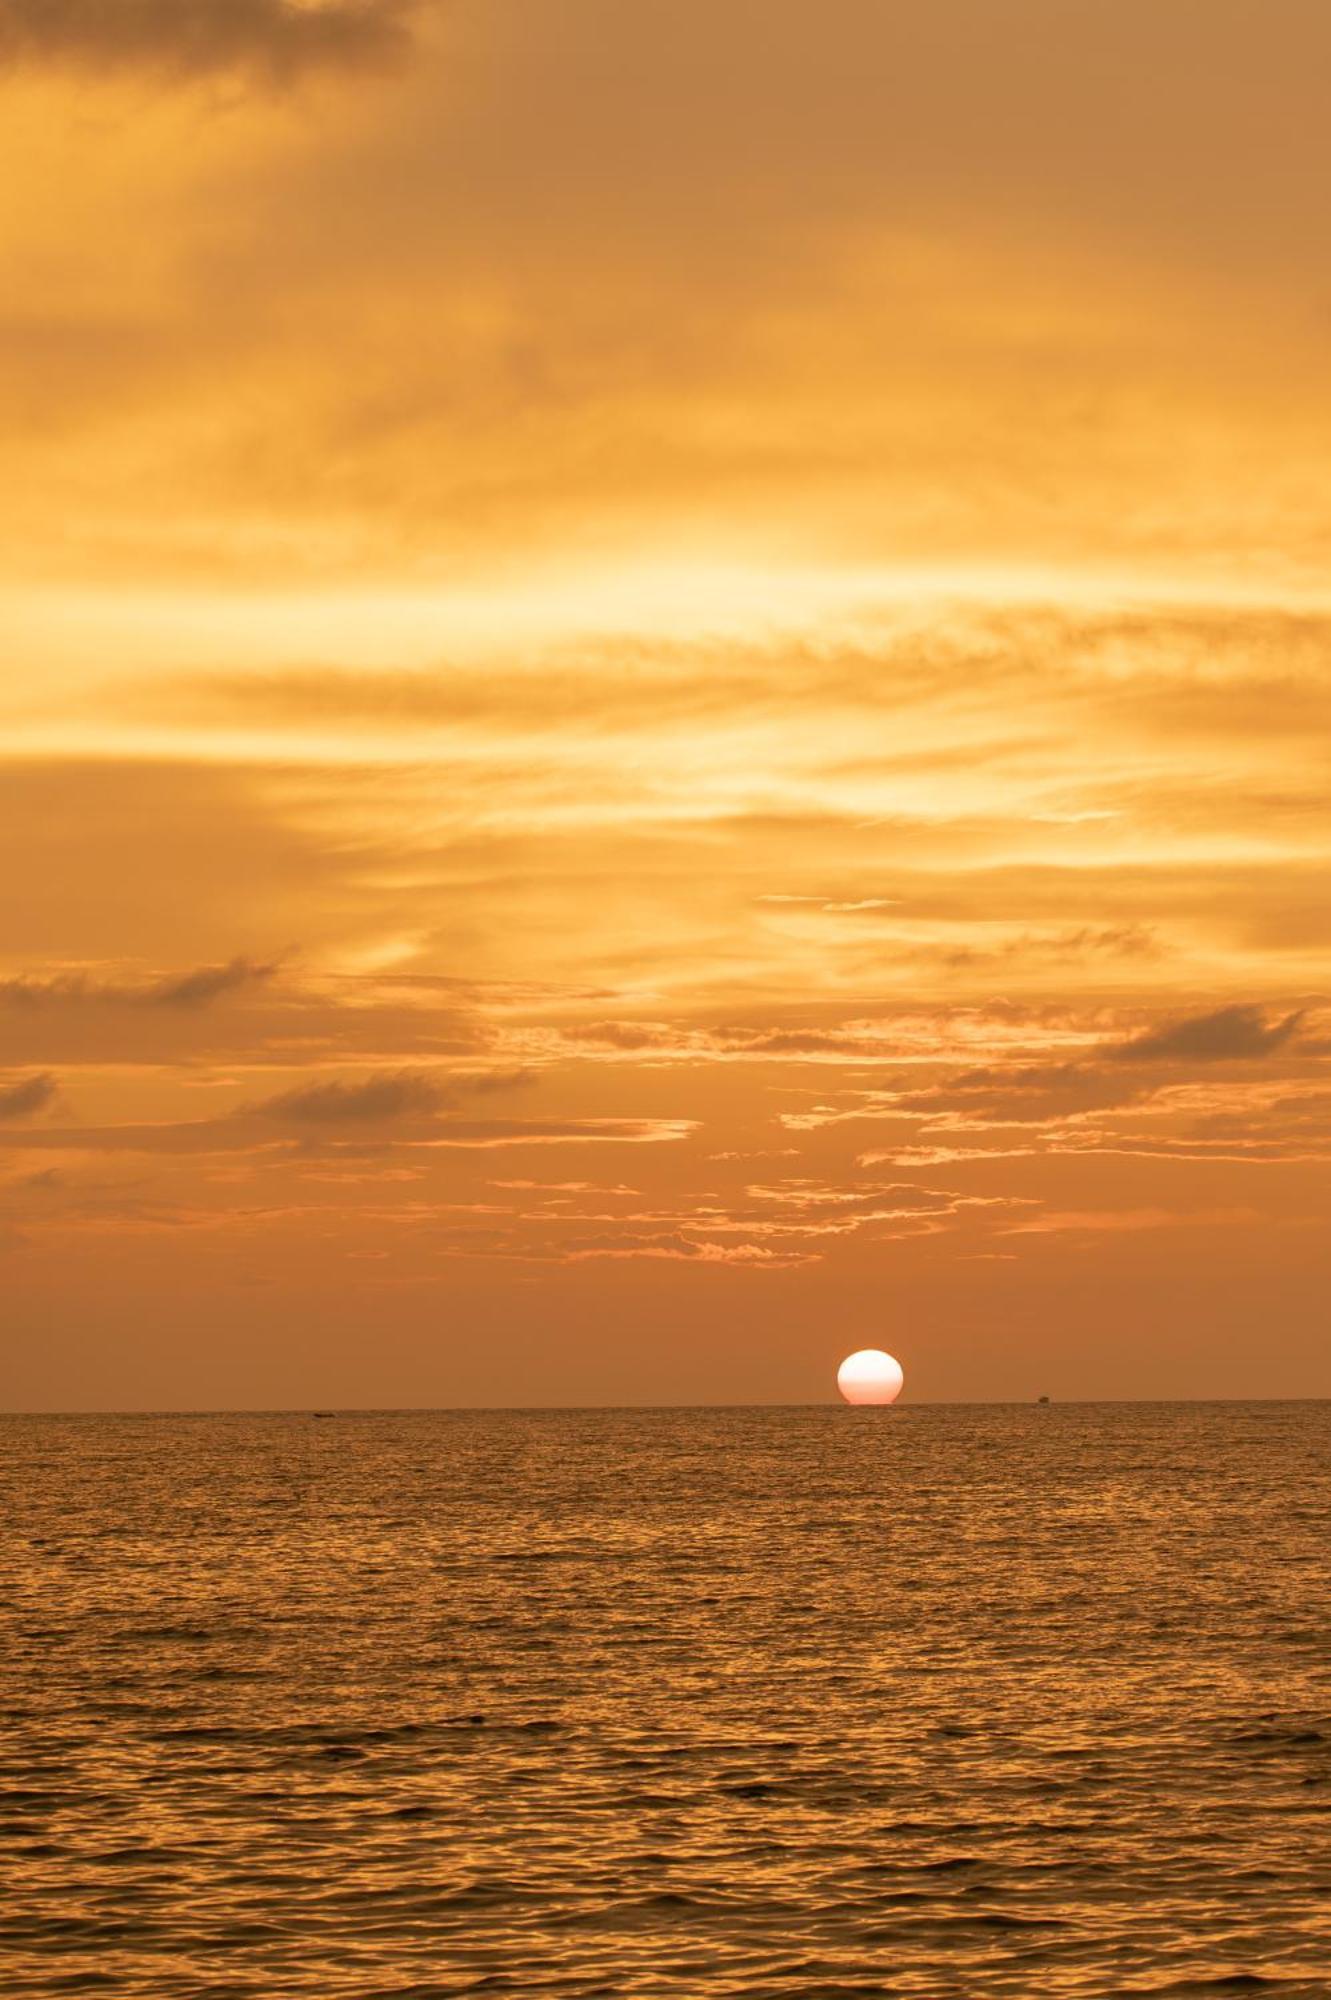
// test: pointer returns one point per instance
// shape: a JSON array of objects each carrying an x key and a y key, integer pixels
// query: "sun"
[{"x": 870, "y": 1376}]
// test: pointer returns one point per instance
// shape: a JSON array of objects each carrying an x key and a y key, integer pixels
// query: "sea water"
[{"x": 785, "y": 1702}]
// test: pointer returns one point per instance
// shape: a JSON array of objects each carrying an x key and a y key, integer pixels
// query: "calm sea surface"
[{"x": 934, "y": 1701}]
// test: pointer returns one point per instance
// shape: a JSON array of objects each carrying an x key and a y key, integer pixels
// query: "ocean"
[{"x": 792, "y": 1703}]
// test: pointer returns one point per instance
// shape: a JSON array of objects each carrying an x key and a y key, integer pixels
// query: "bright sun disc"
[{"x": 870, "y": 1376}]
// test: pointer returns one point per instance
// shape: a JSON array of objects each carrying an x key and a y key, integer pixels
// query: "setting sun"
[{"x": 870, "y": 1376}]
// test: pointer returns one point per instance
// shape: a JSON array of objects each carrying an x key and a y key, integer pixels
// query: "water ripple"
[{"x": 722, "y": 1705}]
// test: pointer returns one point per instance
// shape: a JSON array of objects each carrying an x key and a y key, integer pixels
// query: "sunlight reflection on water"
[{"x": 937, "y": 1701}]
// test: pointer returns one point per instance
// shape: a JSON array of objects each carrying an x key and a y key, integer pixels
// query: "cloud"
[
  {"x": 198, "y": 988},
  {"x": 1231, "y": 1034},
  {"x": 203, "y": 1137},
  {"x": 1116, "y": 1221},
  {"x": 279, "y": 39},
  {"x": 796, "y": 1042},
  {"x": 677, "y": 1249},
  {"x": 563, "y": 1132},
  {"x": 383, "y": 1098},
  {"x": 1032, "y": 1094},
  {"x": 376, "y": 1100},
  {"x": 208, "y": 983},
  {"x": 33, "y": 1093},
  {"x": 630, "y": 1036}
]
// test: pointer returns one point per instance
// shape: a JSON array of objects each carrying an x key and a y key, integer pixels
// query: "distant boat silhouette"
[{"x": 1043, "y": 1399}]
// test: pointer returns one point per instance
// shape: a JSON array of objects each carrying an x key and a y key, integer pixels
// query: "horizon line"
[{"x": 559, "y": 1409}]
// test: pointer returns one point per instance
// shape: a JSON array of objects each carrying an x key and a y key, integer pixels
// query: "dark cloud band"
[
  {"x": 186, "y": 990},
  {"x": 30, "y": 1094},
  {"x": 1230, "y": 1034},
  {"x": 278, "y": 38}
]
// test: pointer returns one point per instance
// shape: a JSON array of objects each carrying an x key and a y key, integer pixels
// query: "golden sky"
[{"x": 666, "y": 701}]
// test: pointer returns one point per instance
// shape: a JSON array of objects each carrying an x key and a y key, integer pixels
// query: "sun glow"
[{"x": 870, "y": 1376}]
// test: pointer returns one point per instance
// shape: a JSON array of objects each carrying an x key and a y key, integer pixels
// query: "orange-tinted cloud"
[
  {"x": 27, "y": 1095},
  {"x": 277, "y": 38},
  {"x": 374, "y": 1100},
  {"x": 1230, "y": 1034},
  {"x": 198, "y": 988}
]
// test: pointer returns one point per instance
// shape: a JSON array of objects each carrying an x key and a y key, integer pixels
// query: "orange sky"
[{"x": 667, "y": 701}]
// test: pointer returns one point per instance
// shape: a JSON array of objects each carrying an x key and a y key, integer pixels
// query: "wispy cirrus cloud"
[
  {"x": 678, "y": 1249},
  {"x": 197, "y": 988},
  {"x": 372, "y": 1100},
  {"x": 27, "y": 1096},
  {"x": 1238, "y": 1086},
  {"x": 208, "y": 983},
  {"x": 244, "y": 1135},
  {"x": 1122, "y": 1221},
  {"x": 275, "y": 39},
  {"x": 383, "y": 1098},
  {"x": 1230, "y": 1034}
]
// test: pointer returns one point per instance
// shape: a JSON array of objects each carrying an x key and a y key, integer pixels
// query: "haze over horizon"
[{"x": 668, "y": 705}]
